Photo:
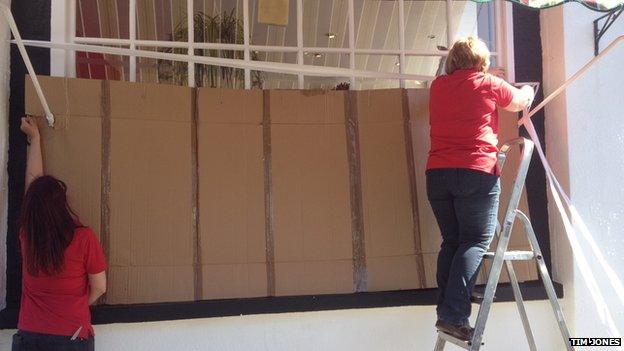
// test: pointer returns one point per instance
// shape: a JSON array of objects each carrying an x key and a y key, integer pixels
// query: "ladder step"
[
  {"x": 478, "y": 295},
  {"x": 455, "y": 341},
  {"x": 512, "y": 255}
]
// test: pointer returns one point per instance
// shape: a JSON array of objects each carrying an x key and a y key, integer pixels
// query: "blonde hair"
[{"x": 468, "y": 53}]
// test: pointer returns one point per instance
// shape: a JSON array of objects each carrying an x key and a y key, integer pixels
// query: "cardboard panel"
[
  {"x": 393, "y": 273},
  {"x": 157, "y": 102},
  {"x": 72, "y": 149},
  {"x": 150, "y": 192},
  {"x": 307, "y": 107},
  {"x": 231, "y": 194},
  {"x": 130, "y": 285},
  {"x": 230, "y": 106},
  {"x": 419, "y": 125},
  {"x": 311, "y": 198},
  {"x": 309, "y": 278},
  {"x": 388, "y": 221}
]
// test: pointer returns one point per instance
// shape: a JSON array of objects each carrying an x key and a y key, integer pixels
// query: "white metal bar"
[
  {"x": 351, "y": 10},
  {"x": 402, "y": 62},
  {"x": 300, "y": 41},
  {"x": 246, "y": 31},
  {"x": 29, "y": 67},
  {"x": 505, "y": 31},
  {"x": 132, "y": 33},
  {"x": 450, "y": 38},
  {"x": 70, "y": 56},
  {"x": 223, "y": 46},
  {"x": 190, "y": 25},
  {"x": 277, "y": 67}
]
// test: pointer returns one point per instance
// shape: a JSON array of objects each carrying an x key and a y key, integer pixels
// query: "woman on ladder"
[
  {"x": 463, "y": 183},
  {"x": 63, "y": 266}
]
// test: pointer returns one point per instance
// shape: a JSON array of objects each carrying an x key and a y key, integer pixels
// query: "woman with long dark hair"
[
  {"x": 463, "y": 183},
  {"x": 63, "y": 265}
]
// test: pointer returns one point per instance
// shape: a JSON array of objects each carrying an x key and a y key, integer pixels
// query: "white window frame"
[{"x": 63, "y": 61}]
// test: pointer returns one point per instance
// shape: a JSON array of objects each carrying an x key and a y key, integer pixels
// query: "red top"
[
  {"x": 59, "y": 304},
  {"x": 464, "y": 120}
]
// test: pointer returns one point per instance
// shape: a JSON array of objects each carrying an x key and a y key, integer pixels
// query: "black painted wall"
[
  {"x": 33, "y": 21},
  {"x": 528, "y": 67}
]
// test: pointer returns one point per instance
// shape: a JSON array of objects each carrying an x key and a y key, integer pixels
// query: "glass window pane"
[
  {"x": 376, "y": 24},
  {"x": 425, "y": 25},
  {"x": 91, "y": 65},
  {"x": 371, "y": 84},
  {"x": 220, "y": 77},
  {"x": 162, "y": 71},
  {"x": 219, "y": 21},
  {"x": 269, "y": 80},
  {"x": 377, "y": 63},
  {"x": 326, "y": 59},
  {"x": 163, "y": 20},
  {"x": 325, "y": 83},
  {"x": 326, "y": 23},
  {"x": 272, "y": 35},
  {"x": 429, "y": 66},
  {"x": 102, "y": 19},
  {"x": 476, "y": 19}
]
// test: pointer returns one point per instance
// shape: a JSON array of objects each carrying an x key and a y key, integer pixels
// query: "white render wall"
[
  {"x": 585, "y": 145},
  {"x": 4, "y": 146},
  {"x": 392, "y": 329}
]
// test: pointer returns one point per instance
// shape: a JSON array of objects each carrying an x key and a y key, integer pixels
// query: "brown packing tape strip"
[
  {"x": 197, "y": 266},
  {"x": 268, "y": 193},
  {"x": 411, "y": 173},
  {"x": 360, "y": 275},
  {"x": 106, "y": 172}
]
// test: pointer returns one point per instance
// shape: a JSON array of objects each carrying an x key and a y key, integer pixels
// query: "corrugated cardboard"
[
  {"x": 151, "y": 243},
  {"x": 388, "y": 216},
  {"x": 156, "y": 254},
  {"x": 313, "y": 242},
  {"x": 72, "y": 149},
  {"x": 231, "y": 193}
]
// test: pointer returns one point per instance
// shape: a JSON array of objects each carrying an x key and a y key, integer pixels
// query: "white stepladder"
[{"x": 502, "y": 255}]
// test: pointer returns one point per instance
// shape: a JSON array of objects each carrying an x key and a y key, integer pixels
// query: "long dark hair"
[{"x": 48, "y": 224}]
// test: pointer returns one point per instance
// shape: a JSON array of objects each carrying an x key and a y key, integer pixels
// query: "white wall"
[
  {"x": 585, "y": 144},
  {"x": 393, "y": 329},
  {"x": 4, "y": 146}
]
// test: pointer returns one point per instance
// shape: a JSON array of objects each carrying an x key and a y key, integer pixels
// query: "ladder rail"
[
  {"x": 548, "y": 285},
  {"x": 503, "y": 240},
  {"x": 520, "y": 305}
]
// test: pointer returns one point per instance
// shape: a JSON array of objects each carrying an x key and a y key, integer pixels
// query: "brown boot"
[{"x": 462, "y": 332}]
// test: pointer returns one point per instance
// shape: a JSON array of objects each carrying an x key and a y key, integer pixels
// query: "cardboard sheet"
[
  {"x": 231, "y": 193},
  {"x": 388, "y": 215},
  {"x": 151, "y": 243},
  {"x": 313, "y": 248},
  {"x": 175, "y": 179},
  {"x": 72, "y": 149}
]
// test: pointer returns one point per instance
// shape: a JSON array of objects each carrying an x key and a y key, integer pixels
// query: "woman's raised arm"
[{"x": 34, "y": 162}]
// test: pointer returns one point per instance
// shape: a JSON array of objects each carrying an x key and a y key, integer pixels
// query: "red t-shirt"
[
  {"x": 464, "y": 120},
  {"x": 59, "y": 304}
]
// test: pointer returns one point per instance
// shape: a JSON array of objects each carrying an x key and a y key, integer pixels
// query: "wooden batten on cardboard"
[
  {"x": 151, "y": 241},
  {"x": 391, "y": 257},
  {"x": 310, "y": 185},
  {"x": 72, "y": 149},
  {"x": 231, "y": 193}
]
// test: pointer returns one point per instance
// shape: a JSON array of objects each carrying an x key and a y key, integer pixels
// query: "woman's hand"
[
  {"x": 29, "y": 127},
  {"x": 498, "y": 72}
]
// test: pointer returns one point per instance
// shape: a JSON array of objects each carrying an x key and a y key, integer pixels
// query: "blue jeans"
[{"x": 465, "y": 204}]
